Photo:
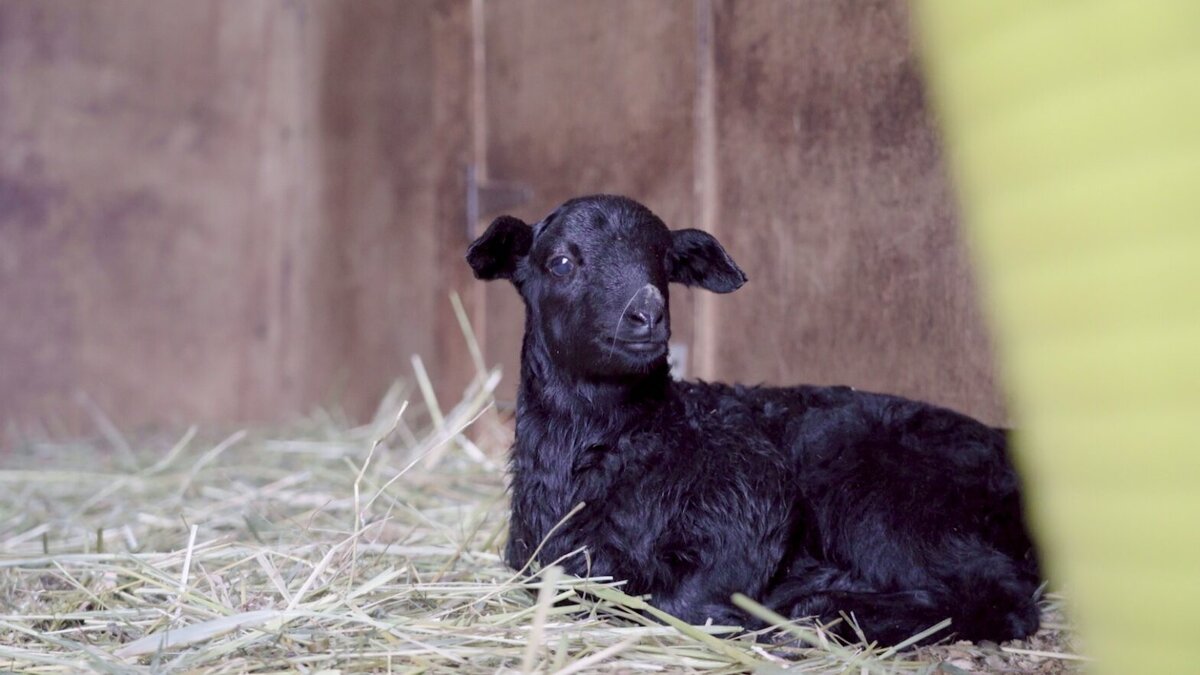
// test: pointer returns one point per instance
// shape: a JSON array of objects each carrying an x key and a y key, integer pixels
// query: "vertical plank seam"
[
  {"x": 259, "y": 385},
  {"x": 478, "y": 150},
  {"x": 291, "y": 342},
  {"x": 706, "y": 182}
]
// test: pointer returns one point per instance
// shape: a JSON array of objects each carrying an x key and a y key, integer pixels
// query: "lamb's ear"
[
  {"x": 495, "y": 254},
  {"x": 697, "y": 259}
]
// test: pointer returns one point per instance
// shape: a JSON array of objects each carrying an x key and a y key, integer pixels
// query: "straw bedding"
[{"x": 353, "y": 549}]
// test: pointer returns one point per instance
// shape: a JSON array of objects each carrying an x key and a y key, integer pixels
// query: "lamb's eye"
[{"x": 560, "y": 266}]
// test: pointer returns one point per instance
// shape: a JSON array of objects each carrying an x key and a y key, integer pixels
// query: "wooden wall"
[
  {"x": 834, "y": 198},
  {"x": 223, "y": 211},
  {"x": 799, "y": 134}
]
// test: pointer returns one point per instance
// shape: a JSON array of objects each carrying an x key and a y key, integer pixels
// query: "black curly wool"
[{"x": 816, "y": 501}]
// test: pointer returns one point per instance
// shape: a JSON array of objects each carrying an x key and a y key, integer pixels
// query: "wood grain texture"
[
  {"x": 374, "y": 284},
  {"x": 228, "y": 212},
  {"x": 134, "y": 273},
  {"x": 454, "y": 112},
  {"x": 587, "y": 97},
  {"x": 216, "y": 211},
  {"x": 833, "y": 198}
]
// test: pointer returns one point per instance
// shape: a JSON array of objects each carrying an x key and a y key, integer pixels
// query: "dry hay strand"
[{"x": 356, "y": 549}]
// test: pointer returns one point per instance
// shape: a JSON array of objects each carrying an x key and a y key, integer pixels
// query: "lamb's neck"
[
  {"x": 565, "y": 423},
  {"x": 611, "y": 404}
]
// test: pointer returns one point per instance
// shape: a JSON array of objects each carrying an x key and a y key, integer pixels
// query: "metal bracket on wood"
[{"x": 487, "y": 198}]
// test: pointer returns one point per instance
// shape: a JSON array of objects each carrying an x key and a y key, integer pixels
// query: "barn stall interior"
[{"x": 227, "y": 228}]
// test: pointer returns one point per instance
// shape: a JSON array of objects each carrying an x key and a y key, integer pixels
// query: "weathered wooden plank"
[
  {"x": 375, "y": 290},
  {"x": 453, "y": 133},
  {"x": 217, "y": 211},
  {"x": 833, "y": 197},
  {"x": 135, "y": 266}
]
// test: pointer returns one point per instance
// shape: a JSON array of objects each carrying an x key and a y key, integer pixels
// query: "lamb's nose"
[{"x": 646, "y": 316}]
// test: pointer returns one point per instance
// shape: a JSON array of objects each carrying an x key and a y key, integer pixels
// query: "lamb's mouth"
[{"x": 643, "y": 346}]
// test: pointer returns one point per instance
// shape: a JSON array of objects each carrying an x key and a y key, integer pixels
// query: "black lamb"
[{"x": 816, "y": 501}]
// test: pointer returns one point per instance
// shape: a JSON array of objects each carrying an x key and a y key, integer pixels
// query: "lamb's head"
[{"x": 594, "y": 277}]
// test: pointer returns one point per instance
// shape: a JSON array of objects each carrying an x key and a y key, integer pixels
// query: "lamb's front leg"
[
  {"x": 690, "y": 578},
  {"x": 699, "y": 599},
  {"x": 697, "y": 580}
]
